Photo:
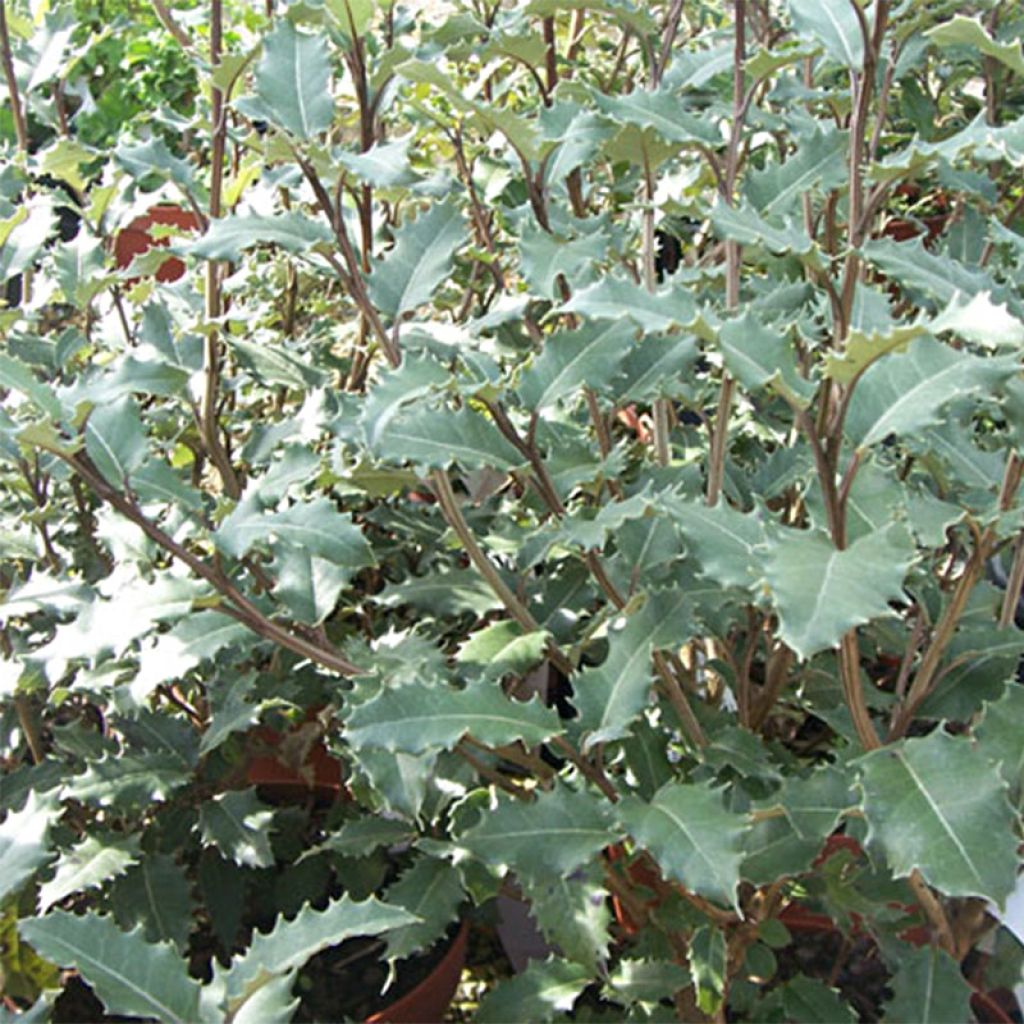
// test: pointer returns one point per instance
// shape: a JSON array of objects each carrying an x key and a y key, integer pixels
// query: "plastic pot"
[
  {"x": 428, "y": 1002},
  {"x": 137, "y": 238}
]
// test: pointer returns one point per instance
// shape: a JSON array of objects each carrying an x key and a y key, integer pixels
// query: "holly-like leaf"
[
  {"x": 229, "y": 236},
  {"x": 862, "y": 348},
  {"x": 999, "y": 735},
  {"x": 572, "y": 913},
  {"x": 23, "y": 841},
  {"x": 417, "y": 719},
  {"x": 821, "y": 592},
  {"x": 543, "y": 840},
  {"x": 588, "y": 356},
  {"x": 155, "y": 896},
  {"x": 191, "y": 641},
  {"x": 292, "y": 942},
  {"x": 384, "y": 164},
  {"x": 833, "y": 26},
  {"x": 274, "y": 364},
  {"x": 419, "y": 261},
  {"x": 293, "y": 80},
  {"x": 544, "y": 988},
  {"x": 980, "y": 320},
  {"x": 708, "y": 967},
  {"x": 742, "y": 224},
  {"x": 363, "y": 835},
  {"x": 503, "y": 647},
  {"x": 661, "y": 111},
  {"x": 910, "y": 264},
  {"x": 16, "y": 375},
  {"x": 308, "y": 586},
  {"x": 970, "y": 33},
  {"x": 612, "y": 298},
  {"x": 807, "y": 1001},
  {"x": 928, "y": 986},
  {"x": 938, "y": 804},
  {"x": 659, "y": 366},
  {"x": 432, "y": 891},
  {"x": 315, "y": 527},
  {"x": 442, "y": 593},
  {"x": 545, "y": 257},
  {"x": 418, "y": 375},
  {"x": 238, "y": 824},
  {"x": 128, "y": 780},
  {"x": 907, "y": 391},
  {"x": 691, "y": 835},
  {"x": 130, "y": 975},
  {"x": 436, "y": 438},
  {"x": 814, "y": 804},
  {"x": 818, "y": 162},
  {"x": 729, "y": 544},
  {"x": 115, "y": 439},
  {"x": 758, "y": 356},
  {"x": 611, "y": 696},
  {"x": 93, "y": 861}
]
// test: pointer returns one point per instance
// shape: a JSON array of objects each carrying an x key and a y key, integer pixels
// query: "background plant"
[{"x": 598, "y": 424}]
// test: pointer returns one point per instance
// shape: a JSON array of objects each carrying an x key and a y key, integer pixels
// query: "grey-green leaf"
[
  {"x": 292, "y": 942},
  {"x": 417, "y": 719},
  {"x": 588, "y": 356},
  {"x": 545, "y": 839},
  {"x": 834, "y": 26},
  {"x": 239, "y": 825},
  {"x": 92, "y": 862},
  {"x": 420, "y": 260},
  {"x": 906, "y": 392},
  {"x": 293, "y": 81},
  {"x": 929, "y": 987},
  {"x": 938, "y": 804},
  {"x": 694, "y": 839},
  {"x": 229, "y": 236},
  {"x": 821, "y": 592},
  {"x": 23, "y": 841},
  {"x": 130, "y": 975},
  {"x": 611, "y": 696}
]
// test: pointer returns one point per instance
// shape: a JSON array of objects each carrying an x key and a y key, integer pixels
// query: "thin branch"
[
  {"x": 239, "y": 606},
  {"x": 17, "y": 111},
  {"x": 166, "y": 19}
]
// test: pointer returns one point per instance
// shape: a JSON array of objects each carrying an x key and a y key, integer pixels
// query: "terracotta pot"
[
  {"x": 294, "y": 764},
  {"x": 136, "y": 239},
  {"x": 428, "y": 1002}
]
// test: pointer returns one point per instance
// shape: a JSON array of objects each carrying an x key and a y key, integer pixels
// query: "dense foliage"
[{"x": 580, "y": 459}]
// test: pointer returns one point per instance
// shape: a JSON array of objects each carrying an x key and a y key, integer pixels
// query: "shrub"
[{"x": 583, "y": 450}]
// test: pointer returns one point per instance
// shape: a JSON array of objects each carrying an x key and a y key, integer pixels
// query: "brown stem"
[
  {"x": 945, "y": 628},
  {"x": 239, "y": 607},
  {"x": 550, "y": 57},
  {"x": 1014, "y": 582},
  {"x": 17, "y": 111},
  {"x": 849, "y": 666},
  {"x": 677, "y": 698},
  {"x": 29, "y": 722},
  {"x": 209, "y": 426},
  {"x": 167, "y": 20},
  {"x": 934, "y": 911},
  {"x": 740, "y": 103},
  {"x": 453, "y": 516},
  {"x": 351, "y": 274}
]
